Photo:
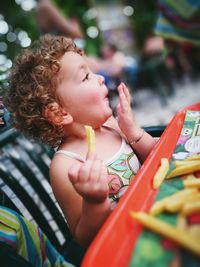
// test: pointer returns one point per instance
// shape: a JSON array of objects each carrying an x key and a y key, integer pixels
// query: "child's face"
[{"x": 82, "y": 92}]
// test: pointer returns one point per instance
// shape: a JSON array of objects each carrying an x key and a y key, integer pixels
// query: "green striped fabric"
[
  {"x": 28, "y": 240},
  {"x": 179, "y": 20}
]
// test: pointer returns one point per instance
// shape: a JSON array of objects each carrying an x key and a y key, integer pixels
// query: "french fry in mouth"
[{"x": 90, "y": 138}]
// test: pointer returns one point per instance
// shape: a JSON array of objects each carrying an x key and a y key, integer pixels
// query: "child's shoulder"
[
  {"x": 59, "y": 166},
  {"x": 65, "y": 156}
]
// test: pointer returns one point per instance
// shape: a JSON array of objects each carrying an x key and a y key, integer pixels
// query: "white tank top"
[{"x": 122, "y": 168}]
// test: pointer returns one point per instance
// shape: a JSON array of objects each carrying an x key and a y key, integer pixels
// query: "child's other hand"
[
  {"x": 126, "y": 120},
  {"x": 90, "y": 179}
]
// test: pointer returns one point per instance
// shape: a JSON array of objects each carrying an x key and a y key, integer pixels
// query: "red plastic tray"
[{"x": 115, "y": 242}]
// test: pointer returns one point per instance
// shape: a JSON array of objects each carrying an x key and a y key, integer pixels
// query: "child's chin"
[{"x": 110, "y": 113}]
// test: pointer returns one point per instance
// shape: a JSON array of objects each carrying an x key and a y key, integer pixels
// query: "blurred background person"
[{"x": 51, "y": 20}]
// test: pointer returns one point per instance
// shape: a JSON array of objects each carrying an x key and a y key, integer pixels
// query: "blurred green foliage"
[{"x": 17, "y": 19}]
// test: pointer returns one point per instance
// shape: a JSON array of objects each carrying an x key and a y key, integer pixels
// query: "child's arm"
[
  {"x": 84, "y": 201},
  {"x": 90, "y": 181},
  {"x": 49, "y": 16},
  {"x": 141, "y": 141}
]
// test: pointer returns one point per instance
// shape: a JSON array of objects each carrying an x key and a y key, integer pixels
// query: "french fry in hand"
[
  {"x": 174, "y": 233},
  {"x": 90, "y": 138},
  {"x": 161, "y": 173},
  {"x": 185, "y": 169}
]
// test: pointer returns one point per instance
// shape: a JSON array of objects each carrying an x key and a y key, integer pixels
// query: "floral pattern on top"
[{"x": 120, "y": 174}]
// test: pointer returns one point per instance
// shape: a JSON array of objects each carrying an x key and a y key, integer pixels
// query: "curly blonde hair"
[{"x": 32, "y": 88}]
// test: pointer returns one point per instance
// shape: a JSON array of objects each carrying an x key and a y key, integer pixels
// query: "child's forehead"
[
  {"x": 70, "y": 58},
  {"x": 71, "y": 62}
]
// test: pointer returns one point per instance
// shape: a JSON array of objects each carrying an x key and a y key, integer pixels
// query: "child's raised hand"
[
  {"x": 90, "y": 179},
  {"x": 126, "y": 120}
]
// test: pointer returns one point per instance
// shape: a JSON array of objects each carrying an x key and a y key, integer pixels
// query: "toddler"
[{"x": 52, "y": 95}]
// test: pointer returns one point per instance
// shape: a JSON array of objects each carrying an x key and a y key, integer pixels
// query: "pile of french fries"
[
  {"x": 183, "y": 167},
  {"x": 184, "y": 203}
]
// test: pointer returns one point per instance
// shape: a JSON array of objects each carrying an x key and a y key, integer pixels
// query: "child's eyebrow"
[{"x": 82, "y": 67}]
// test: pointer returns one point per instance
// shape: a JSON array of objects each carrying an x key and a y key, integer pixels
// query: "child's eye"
[{"x": 86, "y": 77}]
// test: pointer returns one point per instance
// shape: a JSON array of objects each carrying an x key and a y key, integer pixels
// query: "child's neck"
[{"x": 77, "y": 131}]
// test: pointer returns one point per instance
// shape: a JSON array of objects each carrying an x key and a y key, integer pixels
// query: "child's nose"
[{"x": 101, "y": 79}]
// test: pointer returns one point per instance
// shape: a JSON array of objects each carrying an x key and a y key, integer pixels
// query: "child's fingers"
[
  {"x": 127, "y": 93},
  {"x": 123, "y": 102},
  {"x": 74, "y": 172},
  {"x": 104, "y": 172},
  {"x": 95, "y": 170},
  {"x": 85, "y": 170},
  {"x": 118, "y": 109}
]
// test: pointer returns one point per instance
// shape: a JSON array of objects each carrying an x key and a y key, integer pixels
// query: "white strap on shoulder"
[{"x": 70, "y": 154}]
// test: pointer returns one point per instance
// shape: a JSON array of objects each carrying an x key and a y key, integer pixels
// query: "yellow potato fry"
[
  {"x": 160, "y": 205},
  {"x": 192, "y": 183},
  {"x": 194, "y": 157},
  {"x": 175, "y": 205},
  {"x": 90, "y": 138},
  {"x": 182, "y": 222},
  {"x": 194, "y": 230},
  {"x": 190, "y": 207},
  {"x": 185, "y": 169},
  {"x": 174, "y": 233},
  {"x": 161, "y": 173},
  {"x": 194, "y": 197},
  {"x": 178, "y": 163},
  {"x": 189, "y": 176}
]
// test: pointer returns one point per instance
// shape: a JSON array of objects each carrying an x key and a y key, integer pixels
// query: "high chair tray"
[{"x": 115, "y": 241}]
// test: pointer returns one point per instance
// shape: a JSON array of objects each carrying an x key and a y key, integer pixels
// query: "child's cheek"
[{"x": 94, "y": 98}]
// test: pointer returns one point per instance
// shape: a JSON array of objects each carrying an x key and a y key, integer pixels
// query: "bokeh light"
[
  {"x": 26, "y": 5},
  {"x": 11, "y": 37},
  {"x": 128, "y": 11},
  {"x": 3, "y": 27},
  {"x": 3, "y": 46},
  {"x": 92, "y": 32}
]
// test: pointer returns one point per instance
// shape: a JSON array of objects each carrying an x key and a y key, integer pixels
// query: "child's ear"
[
  {"x": 67, "y": 118},
  {"x": 57, "y": 115}
]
